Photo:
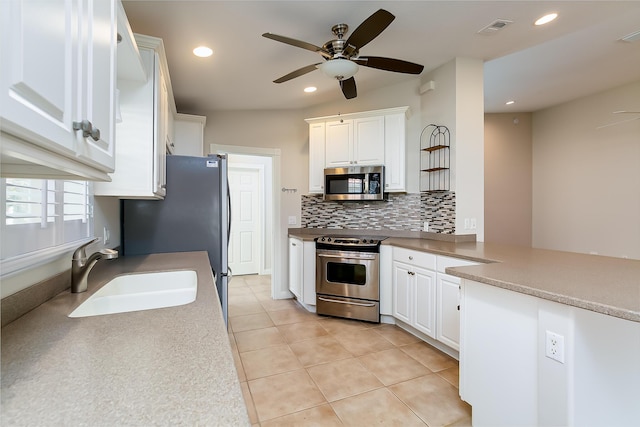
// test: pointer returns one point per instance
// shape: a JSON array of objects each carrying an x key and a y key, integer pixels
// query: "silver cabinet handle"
[
  {"x": 347, "y": 302},
  {"x": 293, "y": 244},
  {"x": 410, "y": 258},
  {"x": 87, "y": 129}
]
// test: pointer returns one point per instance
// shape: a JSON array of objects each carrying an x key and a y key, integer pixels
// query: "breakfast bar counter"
[{"x": 165, "y": 366}]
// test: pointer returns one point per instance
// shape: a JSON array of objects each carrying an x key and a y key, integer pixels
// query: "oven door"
[{"x": 347, "y": 274}]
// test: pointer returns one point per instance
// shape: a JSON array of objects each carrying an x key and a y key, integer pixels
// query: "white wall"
[
  {"x": 458, "y": 103},
  {"x": 586, "y": 181}
]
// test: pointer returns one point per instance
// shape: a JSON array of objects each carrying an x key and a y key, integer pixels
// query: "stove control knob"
[
  {"x": 322, "y": 239},
  {"x": 364, "y": 240},
  {"x": 328, "y": 239}
]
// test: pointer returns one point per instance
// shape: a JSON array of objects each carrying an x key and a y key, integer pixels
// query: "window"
[{"x": 42, "y": 219}]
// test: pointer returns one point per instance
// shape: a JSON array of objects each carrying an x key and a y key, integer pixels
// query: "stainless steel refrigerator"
[{"x": 194, "y": 216}]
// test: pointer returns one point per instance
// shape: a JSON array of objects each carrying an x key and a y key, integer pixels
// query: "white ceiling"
[{"x": 578, "y": 54}]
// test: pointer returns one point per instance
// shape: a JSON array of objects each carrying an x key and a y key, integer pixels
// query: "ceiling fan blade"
[
  {"x": 348, "y": 87},
  {"x": 297, "y": 43},
  {"x": 370, "y": 28},
  {"x": 297, "y": 73},
  {"x": 389, "y": 64}
]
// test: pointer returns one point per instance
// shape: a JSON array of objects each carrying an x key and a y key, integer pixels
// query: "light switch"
[{"x": 293, "y": 220}]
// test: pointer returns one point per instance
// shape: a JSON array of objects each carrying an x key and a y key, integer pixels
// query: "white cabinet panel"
[
  {"x": 339, "y": 143},
  {"x": 144, "y": 133},
  {"x": 425, "y": 301},
  {"x": 368, "y": 141},
  {"x": 302, "y": 270},
  {"x": 295, "y": 266},
  {"x": 448, "y": 309},
  {"x": 58, "y": 76},
  {"x": 402, "y": 292},
  {"x": 188, "y": 135},
  {"x": 316, "y": 157},
  {"x": 414, "y": 296},
  {"x": 395, "y": 152}
]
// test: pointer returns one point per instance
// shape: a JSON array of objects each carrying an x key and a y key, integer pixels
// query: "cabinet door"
[
  {"x": 162, "y": 139},
  {"x": 309, "y": 273},
  {"x": 339, "y": 143},
  {"x": 395, "y": 152},
  {"x": 425, "y": 301},
  {"x": 295, "y": 267},
  {"x": 98, "y": 91},
  {"x": 316, "y": 157},
  {"x": 369, "y": 141},
  {"x": 39, "y": 72},
  {"x": 448, "y": 303},
  {"x": 403, "y": 282}
]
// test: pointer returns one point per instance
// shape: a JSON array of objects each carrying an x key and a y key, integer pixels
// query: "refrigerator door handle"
[{"x": 228, "y": 213}]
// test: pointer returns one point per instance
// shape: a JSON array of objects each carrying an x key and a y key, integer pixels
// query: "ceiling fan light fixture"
[{"x": 340, "y": 69}]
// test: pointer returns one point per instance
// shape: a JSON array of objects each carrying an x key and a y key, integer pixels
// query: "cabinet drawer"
[
  {"x": 420, "y": 259},
  {"x": 444, "y": 261}
]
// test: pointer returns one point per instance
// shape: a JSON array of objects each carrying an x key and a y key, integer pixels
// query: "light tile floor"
[{"x": 300, "y": 369}]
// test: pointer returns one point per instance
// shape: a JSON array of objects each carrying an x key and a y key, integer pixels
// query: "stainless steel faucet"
[{"x": 81, "y": 265}]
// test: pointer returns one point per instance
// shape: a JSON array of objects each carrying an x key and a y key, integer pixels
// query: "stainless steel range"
[{"x": 348, "y": 277}]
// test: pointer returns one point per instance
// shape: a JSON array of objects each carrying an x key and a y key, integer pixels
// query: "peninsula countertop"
[
  {"x": 166, "y": 366},
  {"x": 602, "y": 284}
]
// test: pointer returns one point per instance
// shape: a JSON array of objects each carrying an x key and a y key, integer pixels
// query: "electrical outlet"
[
  {"x": 466, "y": 223},
  {"x": 554, "y": 346},
  {"x": 473, "y": 224},
  {"x": 106, "y": 235},
  {"x": 293, "y": 220}
]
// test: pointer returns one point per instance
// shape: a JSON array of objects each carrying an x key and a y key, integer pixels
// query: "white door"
[{"x": 246, "y": 214}]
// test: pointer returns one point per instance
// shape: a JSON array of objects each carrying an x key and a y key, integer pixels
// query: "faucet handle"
[{"x": 80, "y": 254}]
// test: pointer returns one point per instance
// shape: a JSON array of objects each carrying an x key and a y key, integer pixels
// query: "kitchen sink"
[{"x": 141, "y": 291}]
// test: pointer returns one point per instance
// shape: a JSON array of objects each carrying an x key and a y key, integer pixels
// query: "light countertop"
[
  {"x": 602, "y": 284},
  {"x": 169, "y": 366}
]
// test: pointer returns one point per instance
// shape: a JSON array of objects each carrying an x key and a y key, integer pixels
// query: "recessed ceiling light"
[
  {"x": 202, "y": 52},
  {"x": 310, "y": 89},
  {"x": 546, "y": 19},
  {"x": 510, "y": 102}
]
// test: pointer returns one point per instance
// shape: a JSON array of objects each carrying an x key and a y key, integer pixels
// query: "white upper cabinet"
[
  {"x": 339, "y": 143},
  {"x": 368, "y": 141},
  {"x": 316, "y": 157},
  {"x": 57, "y": 83},
  {"x": 394, "y": 152},
  {"x": 188, "y": 135},
  {"x": 359, "y": 139},
  {"x": 147, "y": 108},
  {"x": 357, "y": 142}
]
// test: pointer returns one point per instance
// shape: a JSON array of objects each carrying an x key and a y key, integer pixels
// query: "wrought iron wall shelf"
[{"x": 435, "y": 158}]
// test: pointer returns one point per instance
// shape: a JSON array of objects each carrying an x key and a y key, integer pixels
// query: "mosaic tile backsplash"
[{"x": 400, "y": 212}]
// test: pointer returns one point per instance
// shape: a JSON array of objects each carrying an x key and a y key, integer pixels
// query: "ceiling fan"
[{"x": 342, "y": 57}]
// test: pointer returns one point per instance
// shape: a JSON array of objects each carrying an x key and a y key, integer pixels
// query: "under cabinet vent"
[{"x": 495, "y": 26}]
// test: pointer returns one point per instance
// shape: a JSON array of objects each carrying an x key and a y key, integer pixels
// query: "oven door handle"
[
  {"x": 360, "y": 256},
  {"x": 347, "y": 302}
]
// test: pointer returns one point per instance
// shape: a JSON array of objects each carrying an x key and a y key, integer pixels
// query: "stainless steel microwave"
[{"x": 354, "y": 183}]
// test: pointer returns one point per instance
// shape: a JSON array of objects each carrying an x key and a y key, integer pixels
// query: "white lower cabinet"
[
  {"x": 302, "y": 270},
  {"x": 448, "y": 309},
  {"x": 448, "y": 301},
  {"x": 414, "y": 290},
  {"x": 425, "y": 297}
]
